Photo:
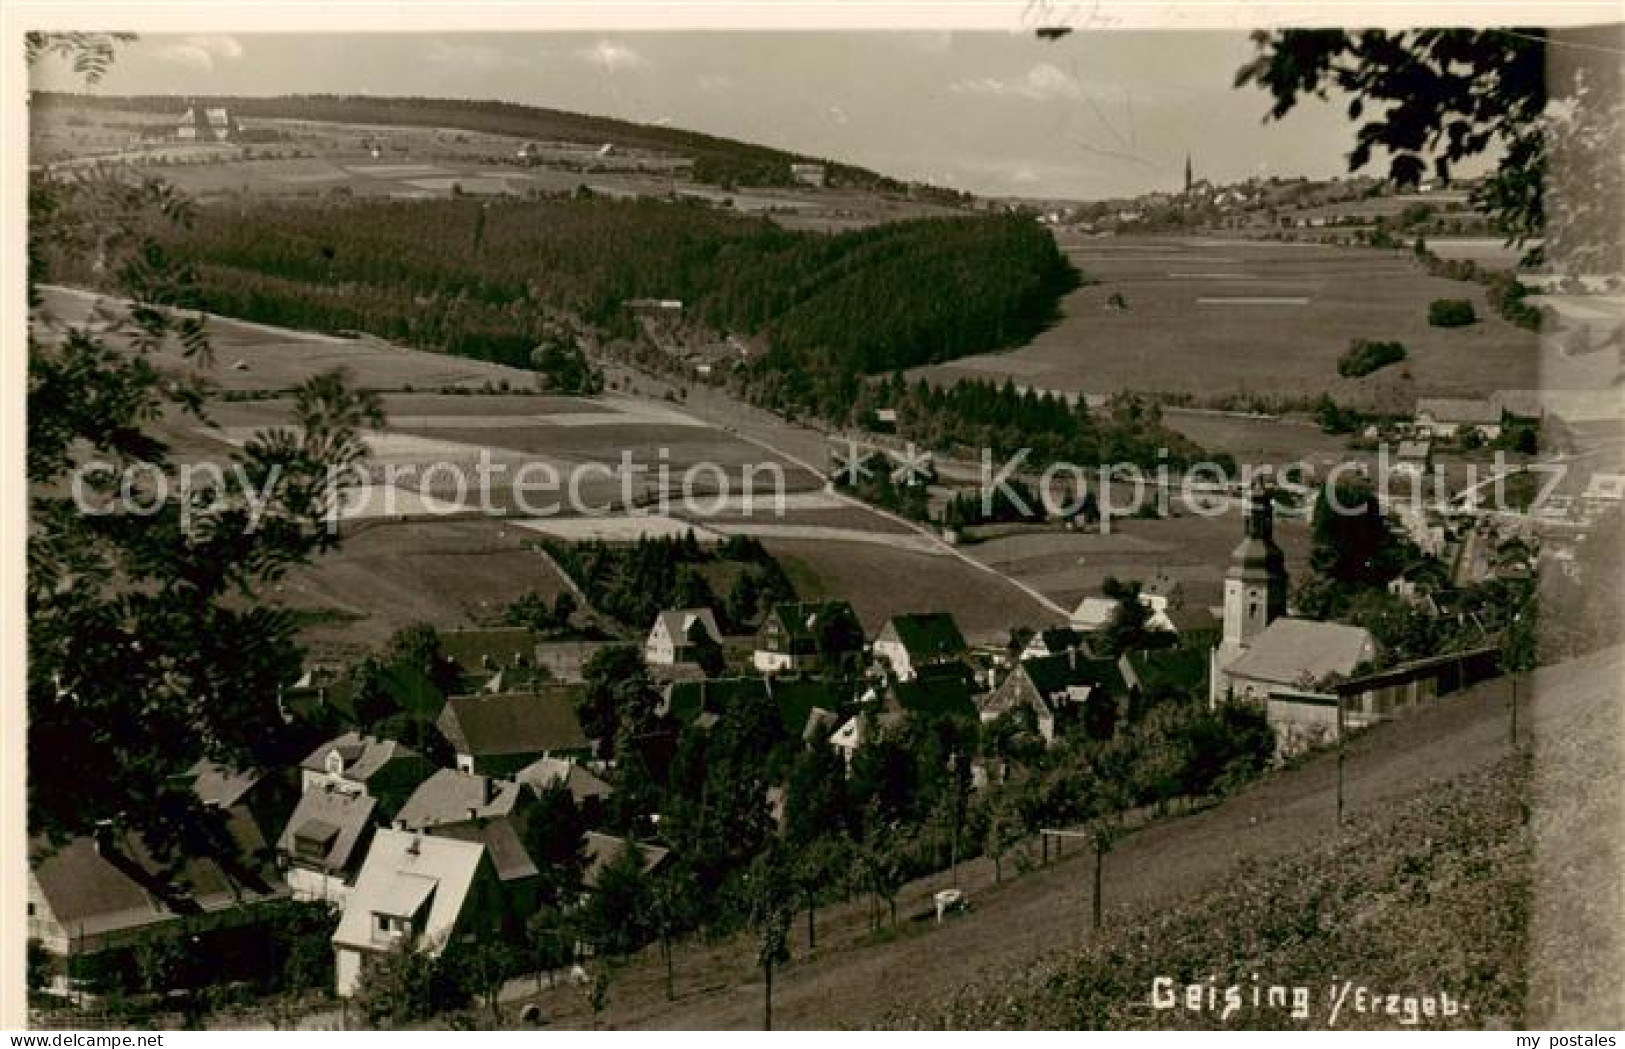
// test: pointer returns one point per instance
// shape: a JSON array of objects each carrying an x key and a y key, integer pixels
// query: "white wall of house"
[
  {"x": 771, "y": 662},
  {"x": 896, "y": 657},
  {"x": 347, "y": 962},
  {"x": 308, "y": 885}
]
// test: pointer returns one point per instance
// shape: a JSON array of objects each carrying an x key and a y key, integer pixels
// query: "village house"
[
  {"x": 206, "y": 124},
  {"x": 588, "y": 791},
  {"x": 862, "y": 727},
  {"x": 909, "y": 643},
  {"x": 497, "y": 735},
  {"x": 678, "y": 637},
  {"x": 1413, "y": 458},
  {"x": 809, "y": 174},
  {"x": 1052, "y": 642},
  {"x": 1449, "y": 418},
  {"x": 98, "y": 897},
  {"x": 490, "y": 812},
  {"x": 809, "y": 636},
  {"x": 415, "y": 892},
  {"x": 1296, "y": 654},
  {"x": 1060, "y": 692},
  {"x": 357, "y": 763},
  {"x": 321, "y": 848}
]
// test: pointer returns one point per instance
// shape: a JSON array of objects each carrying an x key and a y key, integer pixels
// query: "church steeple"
[
  {"x": 1187, "y": 172},
  {"x": 1255, "y": 585}
]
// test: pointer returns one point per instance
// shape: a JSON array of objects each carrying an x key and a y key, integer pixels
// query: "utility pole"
[{"x": 1341, "y": 730}]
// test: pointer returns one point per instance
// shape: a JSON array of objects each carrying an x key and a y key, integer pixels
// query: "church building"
[{"x": 1262, "y": 649}]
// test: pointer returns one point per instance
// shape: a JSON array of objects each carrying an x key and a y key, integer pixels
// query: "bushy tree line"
[
  {"x": 972, "y": 415},
  {"x": 1365, "y": 356},
  {"x": 635, "y": 582}
]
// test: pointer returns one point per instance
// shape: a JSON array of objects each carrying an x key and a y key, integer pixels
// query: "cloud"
[
  {"x": 479, "y": 58},
  {"x": 1042, "y": 83},
  {"x": 200, "y": 52},
  {"x": 714, "y": 83},
  {"x": 611, "y": 57}
]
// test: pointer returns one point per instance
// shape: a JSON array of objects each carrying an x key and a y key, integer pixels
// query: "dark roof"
[
  {"x": 687, "y": 700},
  {"x": 806, "y": 621},
  {"x": 1057, "y": 639},
  {"x": 927, "y": 635},
  {"x": 513, "y": 723},
  {"x": 501, "y": 840},
  {"x": 1057, "y": 673},
  {"x": 121, "y": 886},
  {"x": 1193, "y": 619},
  {"x": 1166, "y": 671},
  {"x": 938, "y": 692},
  {"x": 471, "y": 649},
  {"x": 326, "y": 826}
]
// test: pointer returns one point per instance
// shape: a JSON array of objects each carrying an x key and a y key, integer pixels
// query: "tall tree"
[{"x": 146, "y": 648}]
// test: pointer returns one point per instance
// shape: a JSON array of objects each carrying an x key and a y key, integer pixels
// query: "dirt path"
[{"x": 854, "y": 981}]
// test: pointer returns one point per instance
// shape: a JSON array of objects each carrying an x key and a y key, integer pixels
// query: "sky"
[{"x": 1089, "y": 116}]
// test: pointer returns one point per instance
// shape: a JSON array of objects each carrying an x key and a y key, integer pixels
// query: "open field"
[
  {"x": 1066, "y": 566},
  {"x": 883, "y": 581},
  {"x": 450, "y": 573},
  {"x": 1237, "y": 342},
  {"x": 255, "y": 357},
  {"x": 325, "y": 160}
]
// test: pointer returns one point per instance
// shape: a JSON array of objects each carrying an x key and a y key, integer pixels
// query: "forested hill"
[
  {"x": 487, "y": 278},
  {"x": 716, "y": 159}
]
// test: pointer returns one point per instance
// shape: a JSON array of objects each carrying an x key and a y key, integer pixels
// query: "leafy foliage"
[
  {"x": 1365, "y": 356},
  {"x": 1451, "y": 313}
]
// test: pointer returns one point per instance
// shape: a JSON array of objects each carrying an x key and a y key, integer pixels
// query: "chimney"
[
  {"x": 416, "y": 847},
  {"x": 490, "y": 791},
  {"x": 473, "y": 813}
]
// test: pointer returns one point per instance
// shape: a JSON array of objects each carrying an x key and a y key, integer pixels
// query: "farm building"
[
  {"x": 1447, "y": 418},
  {"x": 206, "y": 124},
  {"x": 908, "y": 643},
  {"x": 809, "y": 174}
]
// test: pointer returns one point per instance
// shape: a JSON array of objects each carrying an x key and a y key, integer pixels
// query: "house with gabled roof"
[
  {"x": 1052, "y": 641},
  {"x": 482, "y": 809},
  {"x": 809, "y": 636},
  {"x": 1298, "y": 654},
  {"x": 499, "y": 734},
  {"x": 588, "y": 791},
  {"x": 679, "y": 635},
  {"x": 1450, "y": 417},
  {"x": 862, "y": 727},
  {"x": 604, "y": 849},
  {"x": 321, "y": 848},
  {"x": 937, "y": 691},
  {"x": 1061, "y": 692},
  {"x": 416, "y": 892},
  {"x": 107, "y": 892},
  {"x": 909, "y": 642},
  {"x": 362, "y": 764}
]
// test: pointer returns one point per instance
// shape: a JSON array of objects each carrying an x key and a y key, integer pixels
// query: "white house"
[
  {"x": 677, "y": 635},
  {"x": 909, "y": 642},
  {"x": 415, "y": 893}
]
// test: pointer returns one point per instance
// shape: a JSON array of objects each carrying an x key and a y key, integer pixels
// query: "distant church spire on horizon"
[{"x": 1187, "y": 172}]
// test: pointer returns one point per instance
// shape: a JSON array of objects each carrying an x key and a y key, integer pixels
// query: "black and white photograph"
[{"x": 815, "y": 517}]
